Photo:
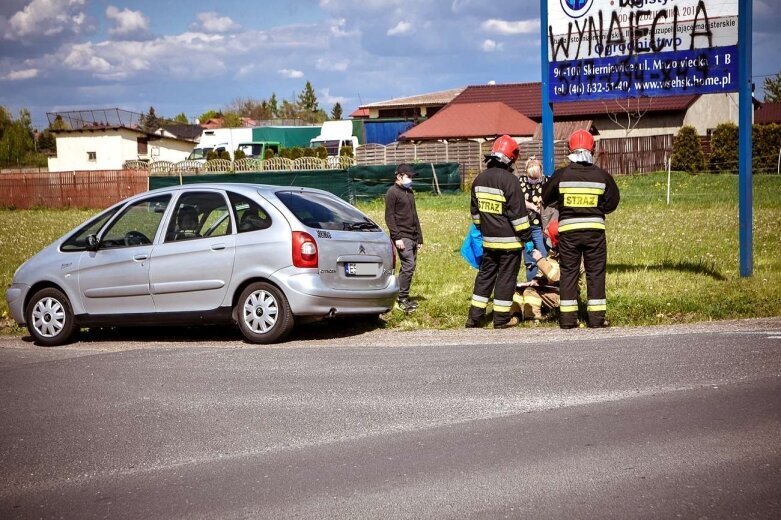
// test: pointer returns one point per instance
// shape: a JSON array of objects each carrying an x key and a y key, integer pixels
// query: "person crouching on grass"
[{"x": 401, "y": 218}]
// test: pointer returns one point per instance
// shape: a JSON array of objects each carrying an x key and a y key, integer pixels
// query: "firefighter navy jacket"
[
  {"x": 499, "y": 211},
  {"x": 584, "y": 194}
]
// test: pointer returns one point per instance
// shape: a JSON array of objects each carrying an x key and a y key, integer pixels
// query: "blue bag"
[{"x": 472, "y": 249}]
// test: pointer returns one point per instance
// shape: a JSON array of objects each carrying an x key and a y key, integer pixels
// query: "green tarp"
[
  {"x": 287, "y": 136},
  {"x": 353, "y": 184}
]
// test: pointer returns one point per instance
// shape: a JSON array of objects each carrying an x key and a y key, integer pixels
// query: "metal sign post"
[{"x": 745, "y": 111}]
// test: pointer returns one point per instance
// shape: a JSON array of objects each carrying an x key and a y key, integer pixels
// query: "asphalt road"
[{"x": 662, "y": 422}]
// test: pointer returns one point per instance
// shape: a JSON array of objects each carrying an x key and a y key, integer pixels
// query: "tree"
[
  {"x": 181, "y": 118},
  {"x": 231, "y": 120},
  {"x": 149, "y": 122},
  {"x": 307, "y": 99},
  {"x": 17, "y": 145},
  {"x": 47, "y": 142},
  {"x": 773, "y": 88},
  {"x": 273, "y": 105},
  {"x": 626, "y": 113},
  {"x": 724, "y": 148},
  {"x": 687, "y": 152},
  {"x": 59, "y": 123},
  {"x": 209, "y": 114},
  {"x": 336, "y": 112}
]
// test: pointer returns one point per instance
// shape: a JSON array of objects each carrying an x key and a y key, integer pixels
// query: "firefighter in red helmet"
[
  {"x": 584, "y": 194},
  {"x": 498, "y": 210}
]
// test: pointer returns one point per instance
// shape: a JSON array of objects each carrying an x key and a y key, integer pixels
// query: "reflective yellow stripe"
[
  {"x": 479, "y": 305},
  {"x": 501, "y": 308},
  {"x": 593, "y": 191},
  {"x": 582, "y": 225},
  {"x": 502, "y": 245},
  {"x": 568, "y": 308},
  {"x": 490, "y": 196},
  {"x": 521, "y": 227},
  {"x": 592, "y": 308}
]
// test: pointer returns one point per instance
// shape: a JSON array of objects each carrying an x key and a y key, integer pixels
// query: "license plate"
[{"x": 360, "y": 269}]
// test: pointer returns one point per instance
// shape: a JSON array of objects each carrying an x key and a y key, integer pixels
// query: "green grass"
[{"x": 667, "y": 264}]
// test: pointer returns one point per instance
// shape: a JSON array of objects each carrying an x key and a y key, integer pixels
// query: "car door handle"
[
  {"x": 218, "y": 247},
  {"x": 140, "y": 258}
]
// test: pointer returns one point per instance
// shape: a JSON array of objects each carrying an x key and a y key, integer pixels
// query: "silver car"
[{"x": 260, "y": 256}]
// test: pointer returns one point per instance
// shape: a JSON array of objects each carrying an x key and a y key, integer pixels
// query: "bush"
[
  {"x": 766, "y": 142},
  {"x": 239, "y": 154},
  {"x": 724, "y": 148},
  {"x": 346, "y": 151},
  {"x": 268, "y": 154},
  {"x": 687, "y": 152},
  {"x": 222, "y": 154},
  {"x": 321, "y": 152}
]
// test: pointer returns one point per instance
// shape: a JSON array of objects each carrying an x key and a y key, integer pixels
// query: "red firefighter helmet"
[
  {"x": 581, "y": 140},
  {"x": 505, "y": 150}
]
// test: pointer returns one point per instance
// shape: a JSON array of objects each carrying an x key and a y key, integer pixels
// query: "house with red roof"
[
  {"x": 767, "y": 114},
  {"x": 633, "y": 117}
]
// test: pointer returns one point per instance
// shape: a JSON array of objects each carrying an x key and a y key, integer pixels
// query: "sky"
[{"x": 191, "y": 56}]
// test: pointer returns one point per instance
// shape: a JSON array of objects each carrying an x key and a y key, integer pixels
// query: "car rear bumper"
[
  {"x": 307, "y": 297},
  {"x": 15, "y": 295}
]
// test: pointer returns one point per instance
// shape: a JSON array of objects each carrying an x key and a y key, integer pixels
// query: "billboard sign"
[{"x": 607, "y": 49}]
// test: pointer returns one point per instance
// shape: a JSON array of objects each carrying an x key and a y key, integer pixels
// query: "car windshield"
[{"x": 321, "y": 211}]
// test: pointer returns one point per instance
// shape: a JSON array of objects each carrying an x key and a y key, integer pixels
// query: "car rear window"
[{"x": 321, "y": 211}]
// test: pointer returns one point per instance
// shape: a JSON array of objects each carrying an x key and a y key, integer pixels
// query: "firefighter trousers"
[
  {"x": 498, "y": 275},
  {"x": 591, "y": 246}
]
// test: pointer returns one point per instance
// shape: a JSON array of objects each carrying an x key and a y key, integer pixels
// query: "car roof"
[{"x": 239, "y": 187}]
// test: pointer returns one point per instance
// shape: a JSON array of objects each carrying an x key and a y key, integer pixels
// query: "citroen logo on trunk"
[{"x": 361, "y": 250}]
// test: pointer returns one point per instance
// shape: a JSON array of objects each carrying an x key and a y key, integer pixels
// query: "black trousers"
[
  {"x": 590, "y": 246},
  {"x": 408, "y": 259},
  {"x": 498, "y": 275}
]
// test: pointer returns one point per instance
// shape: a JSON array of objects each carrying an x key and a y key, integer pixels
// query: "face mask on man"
[{"x": 406, "y": 182}]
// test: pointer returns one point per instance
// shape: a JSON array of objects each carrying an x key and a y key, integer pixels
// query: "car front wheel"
[
  {"x": 263, "y": 314},
  {"x": 50, "y": 318}
]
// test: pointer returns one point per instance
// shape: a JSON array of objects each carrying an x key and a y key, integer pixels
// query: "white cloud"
[
  {"x": 211, "y": 22},
  {"x": 291, "y": 73},
  {"x": 329, "y": 65},
  {"x": 505, "y": 27},
  {"x": 325, "y": 96},
  {"x": 491, "y": 46},
  {"x": 18, "y": 75},
  {"x": 127, "y": 22},
  {"x": 47, "y": 18},
  {"x": 400, "y": 28}
]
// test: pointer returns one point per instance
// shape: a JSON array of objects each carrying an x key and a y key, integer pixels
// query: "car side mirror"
[{"x": 92, "y": 242}]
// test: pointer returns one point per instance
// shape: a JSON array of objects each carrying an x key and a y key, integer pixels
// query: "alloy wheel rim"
[
  {"x": 261, "y": 312},
  {"x": 48, "y": 317}
]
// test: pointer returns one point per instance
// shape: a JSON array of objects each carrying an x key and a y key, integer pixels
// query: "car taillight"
[{"x": 304, "y": 250}]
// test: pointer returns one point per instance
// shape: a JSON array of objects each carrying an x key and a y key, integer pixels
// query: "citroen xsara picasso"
[{"x": 260, "y": 256}]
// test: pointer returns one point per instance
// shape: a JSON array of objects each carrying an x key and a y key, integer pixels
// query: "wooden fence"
[
  {"x": 628, "y": 155},
  {"x": 82, "y": 189}
]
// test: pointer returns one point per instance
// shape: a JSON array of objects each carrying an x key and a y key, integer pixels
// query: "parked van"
[{"x": 335, "y": 135}]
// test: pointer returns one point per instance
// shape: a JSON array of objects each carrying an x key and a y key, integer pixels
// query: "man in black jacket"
[
  {"x": 401, "y": 217},
  {"x": 584, "y": 194},
  {"x": 499, "y": 211}
]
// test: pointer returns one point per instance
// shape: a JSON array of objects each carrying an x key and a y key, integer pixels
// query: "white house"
[{"x": 108, "y": 147}]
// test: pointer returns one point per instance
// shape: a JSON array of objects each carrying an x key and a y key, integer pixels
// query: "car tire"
[
  {"x": 49, "y": 317},
  {"x": 263, "y": 313}
]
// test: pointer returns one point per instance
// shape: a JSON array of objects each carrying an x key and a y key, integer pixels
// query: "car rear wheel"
[
  {"x": 50, "y": 318},
  {"x": 263, "y": 314}
]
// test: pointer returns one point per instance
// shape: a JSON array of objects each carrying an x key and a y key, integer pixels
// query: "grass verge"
[{"x": 674, "y": 263}]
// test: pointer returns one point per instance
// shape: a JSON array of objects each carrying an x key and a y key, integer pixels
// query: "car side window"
[
  {"x": 249, "y": 215},
  {"x": 197, "y": 215},
  {"x": 78, "y": 241},
  {"x": 137, "y": 224}
]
